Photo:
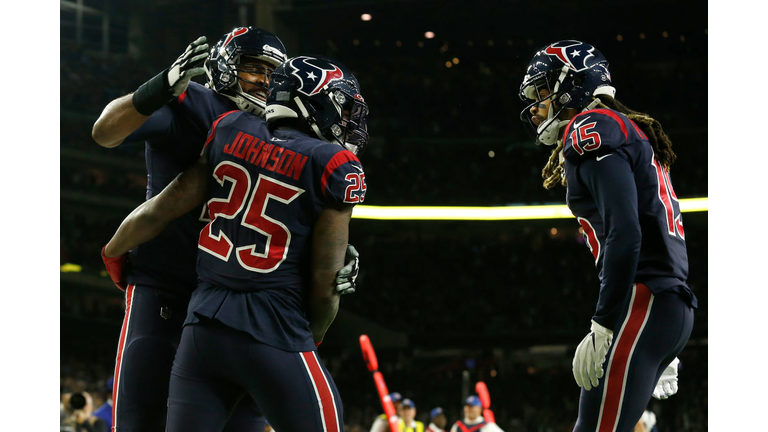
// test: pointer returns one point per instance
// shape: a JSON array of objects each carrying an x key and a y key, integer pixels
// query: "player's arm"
[
  {"x": 612, "y": 184},
  {"x": 118, "y": 120},
  {"x": 329, "y": 244},
  {"x": 185, "y": 193},
  {"x": 126, "y": 114}
]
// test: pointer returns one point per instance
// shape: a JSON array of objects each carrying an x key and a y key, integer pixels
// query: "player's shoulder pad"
[
  {"x": 595, "y": 132},
  {"x": 342, "y": 178},
  {"x": 222, "y": 121},
  {"x": 194, "y": 93}
]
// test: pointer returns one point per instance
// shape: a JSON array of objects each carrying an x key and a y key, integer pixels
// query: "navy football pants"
[
  {"x": 216, "y": 366},
  {"x": 651, "y": 332},
  {"x": 148, "y": 341}
]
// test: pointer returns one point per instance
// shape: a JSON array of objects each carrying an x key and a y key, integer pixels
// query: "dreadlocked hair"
[
  {"x": 553, "y": 172},
  {"x": 662, "y": 146}
]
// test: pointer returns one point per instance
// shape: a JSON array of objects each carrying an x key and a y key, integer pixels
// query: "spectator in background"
[
  {"x": 381, "y": 424},
  {"x": 408, "y": 422},
  {"x": 437, "y": 420},
  {"x": 105, "y": 410},
  {"x": 80, "y": 418},
  {"x": 473, "y": 409}
]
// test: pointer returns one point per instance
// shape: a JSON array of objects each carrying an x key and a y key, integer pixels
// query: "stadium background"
[{"x": 446, "y": 303}]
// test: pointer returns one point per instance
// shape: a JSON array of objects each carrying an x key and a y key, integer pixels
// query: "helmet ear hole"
[
  {"x": 317, "y": 106},
  {"x": 579, "y": 79}
]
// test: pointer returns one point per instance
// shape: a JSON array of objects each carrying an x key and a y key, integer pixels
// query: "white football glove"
[
  {"x": 667, "y": 385},
  {"x": 590, "y": 356},
  {"x": 345, "y": 278},
  {"x": 188, "y": 66}
]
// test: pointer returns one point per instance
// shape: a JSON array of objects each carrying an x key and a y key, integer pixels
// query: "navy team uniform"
[
  {"x": 624, "y": 200},
  {"x": 246, "y": 332},
  {"x": 162, "y": 271}
]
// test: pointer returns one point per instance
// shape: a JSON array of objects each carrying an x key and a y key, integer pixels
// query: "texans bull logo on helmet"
[
  {"x": 573, "y": 53},
  {"x": 312, "y": 77},
  {"x": 235, "y": 33}
]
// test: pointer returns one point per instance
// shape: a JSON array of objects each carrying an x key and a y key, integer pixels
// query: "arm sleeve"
[
  {"x": 158, "y": 127},
  {"x": 612, "y": 184},
  {"x": 342, "y": 179}
]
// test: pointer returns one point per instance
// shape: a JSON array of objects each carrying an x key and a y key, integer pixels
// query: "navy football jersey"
[
  {"x": 624, "y": 201},
  {"x": 174, "y": 136},
  {"x": 267, "y": 191}
]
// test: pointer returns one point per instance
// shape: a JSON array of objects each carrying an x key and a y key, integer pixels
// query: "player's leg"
[
  {"x": 200, "y": 398},
  {"x": 148, "y": 340},
  {"x": 294, "y": 390},
  {"x": 652, "y": 331},
  {"x": 246, "y": 417}
]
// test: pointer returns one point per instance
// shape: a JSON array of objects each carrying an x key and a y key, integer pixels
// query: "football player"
[
  {"x": 615, "y": 163},
  {"x": 280, "y": 196},
  {"x": 172, "y": 115}
]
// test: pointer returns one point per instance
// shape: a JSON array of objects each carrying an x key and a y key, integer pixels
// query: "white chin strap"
[{"x": 248, "y": 104}]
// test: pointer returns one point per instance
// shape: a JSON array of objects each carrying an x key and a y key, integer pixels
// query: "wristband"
[{"x": 153, "y": 94}]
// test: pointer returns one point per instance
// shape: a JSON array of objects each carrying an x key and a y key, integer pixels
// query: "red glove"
[{"x": 115, "y": 267}]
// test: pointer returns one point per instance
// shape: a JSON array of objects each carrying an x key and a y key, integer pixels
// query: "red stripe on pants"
[
  {"x": 617, "y": 366},
  {"x": 120, "y": 346},
  {"x": 327, "y": 405}
]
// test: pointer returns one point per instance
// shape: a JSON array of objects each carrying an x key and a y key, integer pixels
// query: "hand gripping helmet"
[
  {"x": 224, "y": 60},
  {"x": 324, "y": 94},
  {"x": 573, "y": 73}
]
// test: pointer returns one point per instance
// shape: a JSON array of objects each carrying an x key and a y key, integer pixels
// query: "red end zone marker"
[
  {"x": 485, "y": 399},
  {"x": 369, "y": 355}
]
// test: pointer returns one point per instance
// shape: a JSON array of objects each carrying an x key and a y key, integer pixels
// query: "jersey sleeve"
[
  {"x": 612, "y": 184},
  {"x": 158, "y": 127},
  {"x": 342, "y": 179},
  {"x": 595, "y": 133}
]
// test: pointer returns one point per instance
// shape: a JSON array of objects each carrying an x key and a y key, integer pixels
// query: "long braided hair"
[{"x": 554, "y": 171}]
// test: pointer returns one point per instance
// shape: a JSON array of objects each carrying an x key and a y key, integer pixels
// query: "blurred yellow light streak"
[{"x": 489, "y": 213}]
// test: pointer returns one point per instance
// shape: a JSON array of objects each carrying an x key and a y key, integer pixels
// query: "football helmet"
[
  {"x": 224, "y": 61},
  {"x": 324, "y": 94},
  {"x": 573, "y": 72}
]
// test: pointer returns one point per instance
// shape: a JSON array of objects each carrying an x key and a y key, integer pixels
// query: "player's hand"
[
  {"x": 188, "y": 66},
  {"x": 667, "y": 385},
  {"x": 345, "y": 278},
  {"x": 116, "y": 267},
  {"x": 590, "y": 356}
]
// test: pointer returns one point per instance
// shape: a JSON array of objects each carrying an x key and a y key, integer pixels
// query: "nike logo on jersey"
[
  {"x": 357, "y": 167},
  {"x": 577, "y": 125},
  {"x": 277, "y": 139},
  {"x": 599, "y": 158}
]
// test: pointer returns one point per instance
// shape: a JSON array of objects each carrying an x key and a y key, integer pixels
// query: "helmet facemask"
[{"x": 548, "y": 131}]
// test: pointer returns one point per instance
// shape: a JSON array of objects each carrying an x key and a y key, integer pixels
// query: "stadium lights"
[
  {"x": 489, "y": 213},
  {"x": 429, "y": 35},
  {"x": 366, "y": 17},
  {"x": 71, "y": 268}
]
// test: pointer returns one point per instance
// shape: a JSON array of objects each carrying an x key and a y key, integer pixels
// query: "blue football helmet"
[
  {"x": 224, "y": 61},
  {"x": 324, "y": 94},
  {"x": 573, "y": 73}
]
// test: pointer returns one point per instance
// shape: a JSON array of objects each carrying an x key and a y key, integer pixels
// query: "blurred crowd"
[{"x": 526, "y": 395}]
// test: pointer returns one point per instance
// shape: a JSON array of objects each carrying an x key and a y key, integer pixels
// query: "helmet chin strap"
[
  {"x": 245, "y": 104},
  {"x": 549, "y": 131},
  {"x": 307, "y": 118}
]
